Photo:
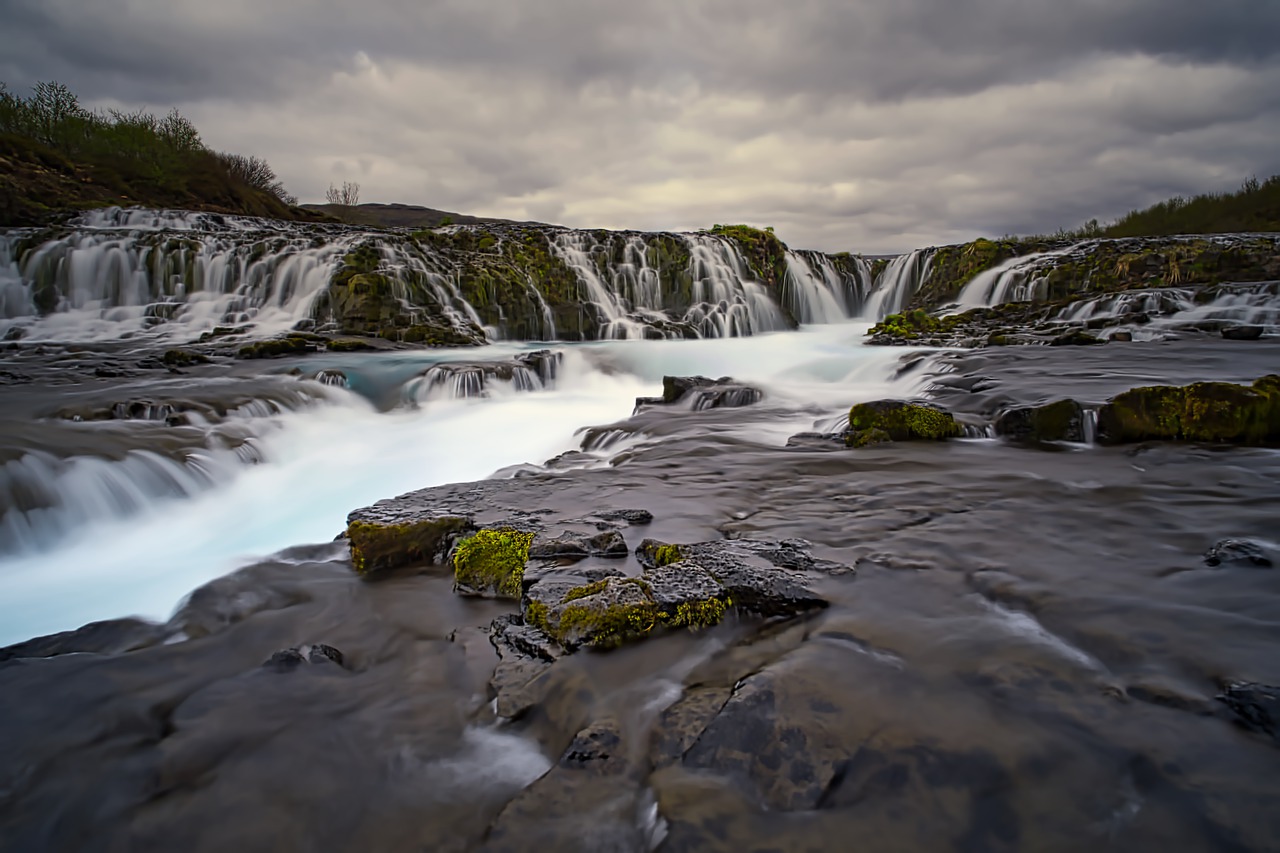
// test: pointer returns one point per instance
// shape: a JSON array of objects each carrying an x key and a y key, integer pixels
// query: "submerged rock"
[
  {"x": 287, "y": 660},
  {"x": 1204, "y": 411},
  {"x": 1062, "y": 420},
  {"x": 1237, "y": 552},
  {"x": 899, "y": 420},
  {"x": 113, "y": 636},
  {"x": 1256, "y": 706},
  {"x": 1242, "y": 332}
]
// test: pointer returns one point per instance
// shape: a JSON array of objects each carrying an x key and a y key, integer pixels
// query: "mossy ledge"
[
  {"x": 1212, "y": 412},
  {"x": 380, "y": 547},
  {"x": 492, "y": 562},
  {"x": 899, "y": 420}
]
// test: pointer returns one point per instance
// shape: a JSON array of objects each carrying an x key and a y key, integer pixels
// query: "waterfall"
[
  {"x": 827, "y": 295},
  {"x": 116, "y": 273},
  {"x": 899, "y": 281},
  {"x": 1018, "y": 279}
]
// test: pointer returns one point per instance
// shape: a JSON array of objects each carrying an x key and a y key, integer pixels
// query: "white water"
[
  {"x": 340, "y": 454},
  {"x": 895, "y": 286},
  {"x": 1014, "y": 280}
]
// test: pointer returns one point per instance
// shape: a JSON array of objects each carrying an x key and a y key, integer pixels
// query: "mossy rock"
[
  {"x": 654, "y": 554},
  {"x": 899, "y": 420},
  {"x": 347, "y": 345},
  {"x": 184, "y": 358},
  {"x": 377, "y": 547},
  {"x": 491, "y": 563},
  {"x": 1215, "y": 412},
  {"x": 602, "y": 614},
  {"x": 292, "y": 345},
  {"x": 1061, "y": 420}
]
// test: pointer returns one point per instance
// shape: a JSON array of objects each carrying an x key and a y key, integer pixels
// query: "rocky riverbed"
[
  {"x": 785, "y": 592},
  {"x": 975, "y": 642}
]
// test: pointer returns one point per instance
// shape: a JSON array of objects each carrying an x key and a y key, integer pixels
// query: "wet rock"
[
  {"x": 1076, "y": 338},
  {"x": 1203, "y": 411},
  {"x": 291, "y": 345},
  {"x": 287, "y": 660},
  {"x": 1122, "y": 337},
  {"x": 1242, "y": 332},
  {"x": 114, "y": 636},
  {"x": 899, "y": 420},
  {"x": 378, "y": 547},
  {"x": 574, "y": 546},
  {"x": 1062, "y": 420},
  {"x": 605, "y": 613},
  {"x": 701, "y": 393},
  {"x": 629, "y": 516},
  {"x": 1237, "y": 552},
  {"x": 526, "y": 372},
  {"x": 687, "y": 595},
  {"x": 184, "y": 358},
  {"x": 524, "y": 653},
  {"x": 1256, "y": 706}
]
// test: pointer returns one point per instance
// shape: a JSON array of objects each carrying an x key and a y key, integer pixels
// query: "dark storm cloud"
[{"x": 866, "y": 125}]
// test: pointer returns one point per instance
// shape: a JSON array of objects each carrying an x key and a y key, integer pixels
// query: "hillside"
[
  {"x": 402, "y": 216},
  {"x": 56, "y": 158}
]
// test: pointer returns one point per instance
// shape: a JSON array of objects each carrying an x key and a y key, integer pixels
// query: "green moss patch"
[
  {"x": 379, "y": 547},
  {"x": 492, "y": 562},
  {"x": 899, "y": 421},
  {"x": 1217, "y": 412}
]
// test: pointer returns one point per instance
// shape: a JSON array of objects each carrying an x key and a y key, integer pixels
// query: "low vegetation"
[{"x": 57, "y": 156}]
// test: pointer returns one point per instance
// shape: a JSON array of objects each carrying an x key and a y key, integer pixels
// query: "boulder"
[
  {"x": 378, "y": 546},
  {"x": 701, "y": 393},
  {"x": 1061, "y": 420},
  {"x": 491, "y": 562},
  {"x": 575, "y": 546},
  {"x": 1239, "y": 552},
  {"x": 899, "y": 420},
  {"x": 1242, "y": 332},
  {"x": 1217, "y": 412},
  {"x": 1256, "y": 706}
]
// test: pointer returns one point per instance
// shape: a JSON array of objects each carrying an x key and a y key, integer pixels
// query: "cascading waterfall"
[
  {"x": 177, "y": 274},
  {"x": 816, "y": 291},
  {"x": 895, "y": 286},
  {"x": 1015, "y": 280}
]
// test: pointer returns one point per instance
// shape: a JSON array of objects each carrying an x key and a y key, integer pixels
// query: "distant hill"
[{"x": 402, "y": 216}]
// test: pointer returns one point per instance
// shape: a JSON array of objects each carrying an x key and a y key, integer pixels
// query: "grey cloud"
[{"x": 873, "y": 126}]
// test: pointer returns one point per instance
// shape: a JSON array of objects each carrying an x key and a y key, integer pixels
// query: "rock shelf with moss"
[
  {"x": 899, "y": 420},
  {"x": 379, "y": 547},
  {"x": 1212, "y": 412}
]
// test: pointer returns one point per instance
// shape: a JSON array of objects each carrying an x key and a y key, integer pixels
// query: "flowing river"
[{"x": 1024, "y": 648}]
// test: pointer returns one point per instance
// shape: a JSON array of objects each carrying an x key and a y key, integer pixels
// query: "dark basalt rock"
[
  {"x": 899, "y": 420},
  {"x": 1076, "y": 338},
  {"x": 1062, "y": 420},
  {"x": 573, "y": 546},
  {"x": 1203, "y": 411},
  {"x": 287, "y": 660},
  {"x": 1237, "y": 552},
  {"x": 114, "y": 636},
  {"x": 1242, "y": 332},
  {"x": 701, "y": 393},
  {"x": 1256, "y": 706}
]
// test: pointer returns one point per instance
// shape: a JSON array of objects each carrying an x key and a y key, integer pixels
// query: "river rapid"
[{"x": 1025, "y": 653}]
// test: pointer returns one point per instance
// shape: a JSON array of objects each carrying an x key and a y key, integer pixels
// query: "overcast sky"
[{"x": 863, "y": 125}]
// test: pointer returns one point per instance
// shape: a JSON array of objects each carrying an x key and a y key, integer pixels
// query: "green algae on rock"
[
  {"x": 492, "y": 562},
  {"x": 899, "y": 420},
  {"x": 379, "y": 547},
  {"x": 1217, "y": 412}
]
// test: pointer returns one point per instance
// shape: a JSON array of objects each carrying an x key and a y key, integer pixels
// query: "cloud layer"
[{"x": 872, "y": 126}]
